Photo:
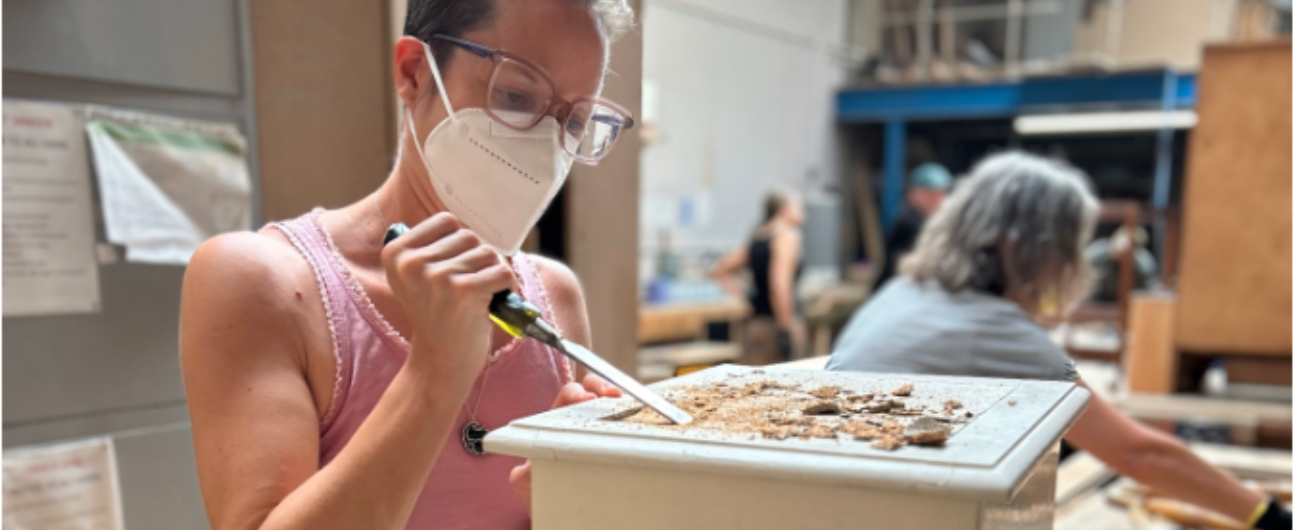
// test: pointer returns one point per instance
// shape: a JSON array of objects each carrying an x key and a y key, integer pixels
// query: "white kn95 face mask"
[{"x": 496, "y": 180}]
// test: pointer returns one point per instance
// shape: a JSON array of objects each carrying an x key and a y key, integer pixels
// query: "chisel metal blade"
[{"x": 625, "y": 383}]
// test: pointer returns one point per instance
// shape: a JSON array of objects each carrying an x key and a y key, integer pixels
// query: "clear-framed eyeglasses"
[{"x": 521, "y": 93}]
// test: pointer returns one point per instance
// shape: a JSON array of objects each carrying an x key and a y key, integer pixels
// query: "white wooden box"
[{"x": 998, "y": 471}]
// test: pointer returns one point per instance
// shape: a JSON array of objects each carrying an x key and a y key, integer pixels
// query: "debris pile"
[{"x": 777, "y": 411}]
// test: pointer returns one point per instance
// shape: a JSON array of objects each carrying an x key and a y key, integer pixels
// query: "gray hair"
[{"x": 1020, "y": 222}]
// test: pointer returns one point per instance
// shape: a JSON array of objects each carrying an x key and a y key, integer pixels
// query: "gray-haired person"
[{"x": 1007, "y": 249}]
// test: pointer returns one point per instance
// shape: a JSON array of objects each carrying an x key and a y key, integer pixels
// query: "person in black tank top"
[{"x": 774, "y": 259}]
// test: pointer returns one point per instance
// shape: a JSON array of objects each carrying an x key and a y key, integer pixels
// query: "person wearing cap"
[{"x": 928, "y": 185}]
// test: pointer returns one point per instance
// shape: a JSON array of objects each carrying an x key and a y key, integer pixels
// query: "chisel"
[{"x": 521, "y": 319}]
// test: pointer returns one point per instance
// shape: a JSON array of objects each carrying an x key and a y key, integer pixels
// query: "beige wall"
[
  {"x": 322, "y": 80},
  {"x": 601, "y": 218}
]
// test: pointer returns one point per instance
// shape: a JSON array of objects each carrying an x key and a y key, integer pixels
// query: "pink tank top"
[{"x": 524, "y": 377}]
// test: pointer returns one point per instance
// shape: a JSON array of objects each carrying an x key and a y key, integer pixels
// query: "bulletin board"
[{"x": 116, "y": 372}]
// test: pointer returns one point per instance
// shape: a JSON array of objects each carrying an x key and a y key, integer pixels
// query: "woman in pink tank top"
[{"x": 335, "y": 382}]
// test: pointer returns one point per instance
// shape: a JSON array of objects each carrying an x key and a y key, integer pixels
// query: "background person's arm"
[
  {"x": 786, "y": 248},
  {"x": 725, "y": 270},
  {"x": 1158, "y": 460}
]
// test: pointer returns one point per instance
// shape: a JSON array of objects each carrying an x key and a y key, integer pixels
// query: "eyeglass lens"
[{"x": 519, "y": 96}]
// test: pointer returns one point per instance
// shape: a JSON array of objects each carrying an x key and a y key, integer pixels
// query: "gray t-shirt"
[{"x": 921, "y": 328}]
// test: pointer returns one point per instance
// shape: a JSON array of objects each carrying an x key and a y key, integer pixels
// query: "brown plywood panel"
[
  {"x": 324, "y": 102},
  {"x": 1150, "y": 362},
  {"x": 601, "y": 218},
  {"x": 1235, "y": 281}
]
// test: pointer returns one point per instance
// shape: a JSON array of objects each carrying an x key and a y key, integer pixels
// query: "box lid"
[{"x": 1014, "y": 422}]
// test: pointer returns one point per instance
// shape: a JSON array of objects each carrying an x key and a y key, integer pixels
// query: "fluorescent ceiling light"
[{"x": 1096, "y": 122}]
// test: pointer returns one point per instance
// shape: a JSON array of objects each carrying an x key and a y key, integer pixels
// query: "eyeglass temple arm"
[
  {"x": 626, "y": 123},
  {"x": 472, "y": 47}
]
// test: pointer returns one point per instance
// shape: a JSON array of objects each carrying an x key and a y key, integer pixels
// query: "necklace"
[{"x": 472, "y": 434}]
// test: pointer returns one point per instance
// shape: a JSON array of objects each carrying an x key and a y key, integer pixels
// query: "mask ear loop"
[
  {"x": 442, "y": 93},
  {"x": 437, "y": 77}
]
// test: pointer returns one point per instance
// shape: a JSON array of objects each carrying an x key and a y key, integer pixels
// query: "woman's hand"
[
  {"x": 444, "y": 278},
  {"x": 592, "y": 387}
]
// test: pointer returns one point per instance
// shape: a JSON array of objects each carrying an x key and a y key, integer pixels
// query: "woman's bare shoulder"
[
  {"x": 241, "y": 285},
  {"x": 562, "y": 286},
  {"x": 248, "y": 262}
]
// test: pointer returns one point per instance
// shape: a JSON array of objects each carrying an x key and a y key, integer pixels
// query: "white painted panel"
[{"x": 744, "y": 102}]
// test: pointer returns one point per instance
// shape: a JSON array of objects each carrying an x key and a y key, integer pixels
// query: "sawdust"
[{"x": 775, "y": 411}]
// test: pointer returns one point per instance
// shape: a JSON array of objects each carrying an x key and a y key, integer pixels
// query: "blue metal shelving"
[{"x": 894, "y": 107}]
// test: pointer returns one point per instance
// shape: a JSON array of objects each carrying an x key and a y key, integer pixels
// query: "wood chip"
[
  {"x": 905, "y": 390},
  {"x": 822, "y": 408},
  {"x": 861, "y": 431},
  {"x": 889, "y": 442},
  {"x": 927, "y": 431},
  {"x": 826, "y": 392}
]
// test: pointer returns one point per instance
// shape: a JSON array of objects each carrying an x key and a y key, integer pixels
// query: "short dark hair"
[{"x": 426, "y": 18}]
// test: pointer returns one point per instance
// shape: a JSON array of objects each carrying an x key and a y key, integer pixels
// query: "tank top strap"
[
  {"x": 307, "y": 237},
  {"x": 535, "y": 291},
  {"x": 531, "y": 285}
]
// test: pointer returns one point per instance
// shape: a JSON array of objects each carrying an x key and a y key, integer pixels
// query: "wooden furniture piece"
[
  {"x": 658, "y": 324},
  {"x": 1129, "y": 215},
  {"x": 1234, "y": 284},
  {"x": 1151, "y": 362},
  {"x": 671, "y": 360},
  {"x": 1246, "y": 419},
  {"x": 829, "y": 311}
]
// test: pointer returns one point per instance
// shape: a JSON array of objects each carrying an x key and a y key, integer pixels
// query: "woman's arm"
[
  {"x": 1158, "y": 460},
  {"x": 255, "y": 423},
  {"x": 725, "y": 270},
  {"x": 785, "y": 263}
]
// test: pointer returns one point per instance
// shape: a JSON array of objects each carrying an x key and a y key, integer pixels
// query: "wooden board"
[
  {"x": 600, "y": 217},
  {"x": 677, "y": 322},
  {"x": 1151, "y": 363},
  {"x": 324, "y": 92},
  {"x": 1235, "y": 281}
]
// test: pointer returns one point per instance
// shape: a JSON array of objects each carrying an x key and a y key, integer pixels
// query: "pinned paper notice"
[
  {"x": 49, "y": 238},
  {"x": 72, "y": 485},
  {"x": 167, "y": 184}
]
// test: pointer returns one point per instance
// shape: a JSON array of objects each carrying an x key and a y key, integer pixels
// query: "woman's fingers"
[
  {"x": 598, "y": 386},
  {"x": 451, "y": 245},
  {"x": 572, "y": 393},
  {"x": 434, "y": 228},
  {"x": 521, "y": 481}
]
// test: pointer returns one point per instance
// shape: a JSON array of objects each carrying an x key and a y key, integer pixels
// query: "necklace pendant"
[{"x": 472, "y": 437}]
